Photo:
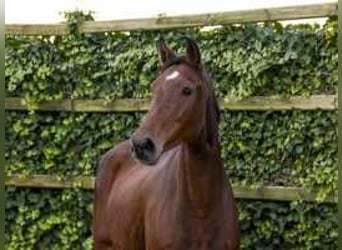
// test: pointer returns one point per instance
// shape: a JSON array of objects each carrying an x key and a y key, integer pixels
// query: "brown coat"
[{"x": 165, "y": 187}]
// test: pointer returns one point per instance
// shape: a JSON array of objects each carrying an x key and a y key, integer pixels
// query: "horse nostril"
[
  {"x": 147, "y": 144},
  {"x": 144, "y": 150}
]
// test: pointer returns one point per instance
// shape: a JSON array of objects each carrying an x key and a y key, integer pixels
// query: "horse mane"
[{"x": 212, "y": 108}]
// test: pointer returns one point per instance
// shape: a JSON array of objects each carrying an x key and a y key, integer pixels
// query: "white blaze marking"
[{"x": 174, "y": 75}]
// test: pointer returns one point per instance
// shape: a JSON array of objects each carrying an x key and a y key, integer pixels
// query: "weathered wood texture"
[
  {"x": 258, "y": 103},
  {"x": 167, "y": 22},
  {"x": 277, "y": 193}
]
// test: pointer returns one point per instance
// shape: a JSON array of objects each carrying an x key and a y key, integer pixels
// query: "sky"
[{"x": 49, "y": 11}]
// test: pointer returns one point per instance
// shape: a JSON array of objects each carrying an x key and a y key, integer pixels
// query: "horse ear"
[
  {"x": 193, "y": 54},
  {"x": 164, "y": 52}
]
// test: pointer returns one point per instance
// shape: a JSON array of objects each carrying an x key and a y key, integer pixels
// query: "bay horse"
[{"x": 165, "y": 187}]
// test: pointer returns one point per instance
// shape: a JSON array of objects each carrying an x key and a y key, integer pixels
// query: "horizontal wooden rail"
[
  {"x": 258, "y": 103},
  {"x": 167, "y": 22},
  {"x": 277, "y": 193}
]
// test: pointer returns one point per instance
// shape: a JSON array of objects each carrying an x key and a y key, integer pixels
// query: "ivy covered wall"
[{"x": 290, "y": 148}]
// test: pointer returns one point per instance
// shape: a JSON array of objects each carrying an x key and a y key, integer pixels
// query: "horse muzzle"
[{"x": 145, "y": 150}]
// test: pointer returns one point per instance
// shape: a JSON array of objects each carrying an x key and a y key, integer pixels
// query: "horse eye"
[{"x": 187, "y": 91}]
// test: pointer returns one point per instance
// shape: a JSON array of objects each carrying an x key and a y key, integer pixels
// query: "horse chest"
[
  {"x": 170, "y": 227},
  {"x": 185, "y": 236}
]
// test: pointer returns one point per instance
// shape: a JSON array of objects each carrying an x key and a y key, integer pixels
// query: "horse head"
[{"x": 183, "y": 106}]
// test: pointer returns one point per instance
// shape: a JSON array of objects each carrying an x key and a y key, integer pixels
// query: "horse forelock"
[{"x": 175, "y": 60}]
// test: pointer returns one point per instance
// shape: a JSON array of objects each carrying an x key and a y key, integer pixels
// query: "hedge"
[
  {"x": 246, "y": 60},
  {"x": 259, "y": 148},
  {"x": 270, "y": 148},
  {"x": 60, "y": 219}
]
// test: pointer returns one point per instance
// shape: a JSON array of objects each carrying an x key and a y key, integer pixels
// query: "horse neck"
[{"x": 201, "y": 176}]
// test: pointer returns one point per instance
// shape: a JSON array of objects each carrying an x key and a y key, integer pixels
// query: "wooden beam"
[
  {"x": 36, "y": 29},
  {"x": 263, "y": 103},
  {"x": 276, "y": 193},
  {"x": 279, "y": 193},
  {"x": 50, "y": 181},
  {"x": 121, "y": 105},
  {"x": 257, "y": 103},
  {"x": 13, "y": 103},
  {"x": 170, "y": 22}
]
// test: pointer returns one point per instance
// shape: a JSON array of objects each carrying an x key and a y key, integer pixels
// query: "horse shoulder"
[
  {"x": 112, "y": 160},
  {"x": 108, "y": 168}
]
